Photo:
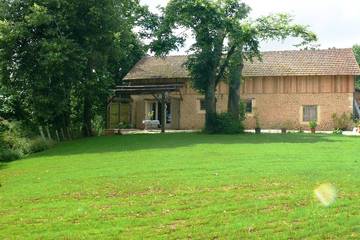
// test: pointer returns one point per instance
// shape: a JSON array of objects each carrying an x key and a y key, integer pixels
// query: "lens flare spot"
[{"x": 326, "y": 193}]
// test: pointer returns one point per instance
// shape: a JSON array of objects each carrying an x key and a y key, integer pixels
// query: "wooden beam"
[
  {"x": 151, "y": 86},
  {"x": 147, "y": 89},
  {"x": 159, "y": 89},
  {"x": 163, "y": 115}
]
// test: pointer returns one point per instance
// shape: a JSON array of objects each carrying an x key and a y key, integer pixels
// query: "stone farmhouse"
[{"x": 285, "y": 88}]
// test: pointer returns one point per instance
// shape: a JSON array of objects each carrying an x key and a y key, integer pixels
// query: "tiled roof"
[
  {"x": 276, "y": 63},
  {"x": 152, "y": 67}
]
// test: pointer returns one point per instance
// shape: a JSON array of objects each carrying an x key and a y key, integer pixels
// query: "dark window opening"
[
  {"x": 202, "y": 105},
  {"x": 168, "y": 112},
  {"x": 310, "y": 113},
  {"x": 249, "y": 106},
  {"x": 153, "y": 111}
]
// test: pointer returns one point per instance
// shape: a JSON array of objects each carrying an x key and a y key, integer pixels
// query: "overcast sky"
[{"x": 336, "y": 22}]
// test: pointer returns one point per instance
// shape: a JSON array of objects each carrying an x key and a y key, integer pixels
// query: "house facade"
[{"x": 284, "y": 89}]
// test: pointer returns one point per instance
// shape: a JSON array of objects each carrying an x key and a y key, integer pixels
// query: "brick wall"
[
  {"x": 277, "y": 110},
  {"x": 274, "y": 109}
]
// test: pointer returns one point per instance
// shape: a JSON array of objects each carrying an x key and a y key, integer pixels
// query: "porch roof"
[{"x": 147, "y": 89}]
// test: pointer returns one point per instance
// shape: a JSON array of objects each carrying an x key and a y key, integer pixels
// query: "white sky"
[{"x": 336, "y": 22}]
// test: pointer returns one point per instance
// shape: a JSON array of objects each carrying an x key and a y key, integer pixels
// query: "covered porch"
[{"x": 134, "y": 106}]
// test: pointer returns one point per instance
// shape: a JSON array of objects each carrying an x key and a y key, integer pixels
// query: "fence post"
[
  {"x": 48, "y": 132},
  {"x": 68, "y": 133},
  {"x": 62, "y": 134},
  {"x": 42, "y": 133},
  {"x": 57, "y": 135}
]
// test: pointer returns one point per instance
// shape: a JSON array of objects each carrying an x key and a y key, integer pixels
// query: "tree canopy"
[
  {"x": 221, "y": 29},
  {"x": 60, "y": 58}
]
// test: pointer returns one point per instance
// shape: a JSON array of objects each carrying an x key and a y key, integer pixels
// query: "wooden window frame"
[
  {"x": 249, "y": 101},
  {"x": 200, "y": 110},
  {"x": 253, "y": 103},
  {"x": 302, "y": 109}
]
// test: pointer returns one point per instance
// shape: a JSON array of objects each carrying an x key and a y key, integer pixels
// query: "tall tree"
[
  {"x": 246, "y": 47},
  {"x": 61, "y": 57},
  {"x": 220, "y": 28}
]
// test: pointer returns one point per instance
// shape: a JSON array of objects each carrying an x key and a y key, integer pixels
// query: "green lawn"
[{"x": 184, "y": 186}]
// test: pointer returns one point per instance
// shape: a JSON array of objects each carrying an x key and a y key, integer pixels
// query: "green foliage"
[
  {"x": 337, "y": 131},
  {"x": 98, "y": 125},
  {"x": 312, "y": 124},
  {"x": 16, "y": 141},
  {"x": 242, "y": 110},
  {"x": 356, "y": 49},
  {"x": 123, "y": 125},
  {"x": 59, "y": 59},
  {"x": 224, "y": 35},
  {"x": 38, "y": 144},
  {"x": 8, "y": 155},
  {"x": 211, "y": 22},
  {"x": 224, "y": 123},
  {"x": 342, "y": 122}
]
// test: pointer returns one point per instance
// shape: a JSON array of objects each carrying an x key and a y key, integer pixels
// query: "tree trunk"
[
  {"x": 235, "y": 73},
  {"x": 210, "y": 102},
  {"x": 163, "y": 114},
  {"x": 86, "y": 129},
  {"x": 67, "y": 113}
]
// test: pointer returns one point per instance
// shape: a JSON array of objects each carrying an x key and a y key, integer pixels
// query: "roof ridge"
[
  {"x": 307, "y": 50},
  {"x": 311, "y": 62},
  {"x": 269, "y": 51}
]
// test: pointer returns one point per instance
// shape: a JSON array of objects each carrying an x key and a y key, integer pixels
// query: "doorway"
[{"x": 154, "y": 111}]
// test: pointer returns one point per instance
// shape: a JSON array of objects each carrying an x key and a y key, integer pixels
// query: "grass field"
[{"x": 184, "y": 186}]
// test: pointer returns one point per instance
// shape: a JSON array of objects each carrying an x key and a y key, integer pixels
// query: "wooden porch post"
[{"x": 163, "y": 115}]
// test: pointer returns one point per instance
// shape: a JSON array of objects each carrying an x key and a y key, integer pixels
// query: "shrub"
[
  {"x": 124, "y": 125},
  {"x": 7, "y": 155},
  {"x": 342, "y": 122},
  {"x": 38, "y": 144},
  {"x": 225, "y": 123},
  {"x": 16, "y": 142},
  {"x": 312, "y": 124},
  {"x": 337, "y": 131},
  {"x": 98, "y": 125},
  {"x": 242, "y": 110}
]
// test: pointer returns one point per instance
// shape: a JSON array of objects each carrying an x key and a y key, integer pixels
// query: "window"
[
  {"x": 202, "y": 104},
  {"x": 168, "y": 113},
  {"x": 310, "y": 113},
  {"x": 249, "y": 106},
  {"x": 155, "y": 111}
]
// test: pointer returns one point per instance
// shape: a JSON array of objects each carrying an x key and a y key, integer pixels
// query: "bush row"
[
  {"x": 224, "y": 123},
  {"x": 16, "y": 142}
]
